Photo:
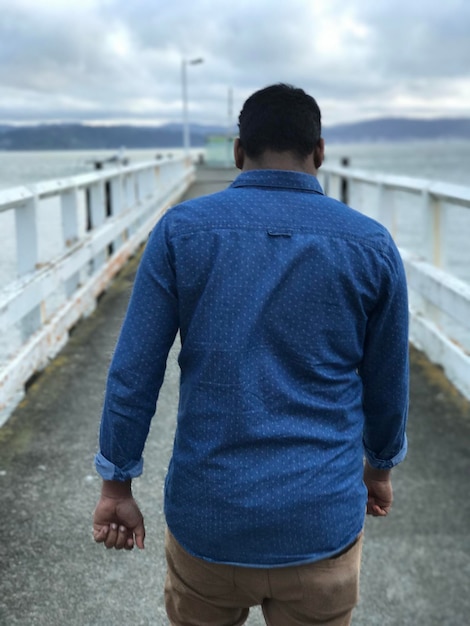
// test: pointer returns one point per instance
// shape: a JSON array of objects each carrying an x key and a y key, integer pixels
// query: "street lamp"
[{"x": 184, "y": 84}]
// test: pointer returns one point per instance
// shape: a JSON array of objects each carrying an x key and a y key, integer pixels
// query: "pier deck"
[{"x": 416, "y": 563}]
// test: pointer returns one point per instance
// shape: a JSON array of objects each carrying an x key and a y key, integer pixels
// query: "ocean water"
[
  {"x": 23, "y": 168},
  {"x": 439, "y": 160},
  {"x": 447, "y": 161}
]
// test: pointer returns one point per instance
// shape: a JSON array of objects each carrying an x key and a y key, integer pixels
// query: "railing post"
[
  {"x": 138, "y": 186},
  {"x": 434, "y": 251},
  {"x": 131, "y": 197},
  {"x": 344, "y": 190},
  {"x": 434, "y": 248},
  {"x": 326, "y": 183},
  {"x": 97, "y": 216},
  {"x": 387, "y": 215},
  {"x": 70, "y": 233},
  {"x": 27, "y": 257},
  {"x": 26, "y": 237},
  {"x": 97, "y": 204},
  {"x": 117, "y": 205},
  {"x": 149, "y": 188},
  {"x": 69, "y": 212}
]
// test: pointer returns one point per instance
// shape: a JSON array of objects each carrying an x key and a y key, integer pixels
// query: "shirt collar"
[{"x": 280, "y": 179}]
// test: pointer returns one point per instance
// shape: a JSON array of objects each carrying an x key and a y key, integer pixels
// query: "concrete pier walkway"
[{"x": 416, "y": 563}]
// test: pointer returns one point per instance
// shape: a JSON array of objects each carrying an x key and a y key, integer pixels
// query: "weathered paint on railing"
[
  {"x": 430, "y": 222},
  {"x": 102, "y": 217}
]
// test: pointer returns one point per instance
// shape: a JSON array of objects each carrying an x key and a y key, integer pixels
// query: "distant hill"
[
  {"x": 83, "y": 137},
  {"x": 399, "y": 129}
]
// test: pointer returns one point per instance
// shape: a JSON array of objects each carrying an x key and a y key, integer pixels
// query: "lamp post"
[{"x": 184, "y": 84}]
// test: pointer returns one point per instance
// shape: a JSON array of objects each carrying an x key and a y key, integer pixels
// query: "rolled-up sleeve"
[
  {"x": 385, "y": 370},
  {"x": 139, "y": 362}
]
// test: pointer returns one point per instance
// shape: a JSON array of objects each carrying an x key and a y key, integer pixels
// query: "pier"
[{"x": 416, "y": 562}]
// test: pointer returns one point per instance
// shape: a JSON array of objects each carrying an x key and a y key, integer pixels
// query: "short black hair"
[{"x": 280, "y": 118}]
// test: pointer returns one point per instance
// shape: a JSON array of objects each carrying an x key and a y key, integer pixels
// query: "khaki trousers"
[{"x": 199, "y": 593}]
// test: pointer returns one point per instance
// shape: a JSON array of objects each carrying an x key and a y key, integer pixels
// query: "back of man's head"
[{"x": 281, "y": 118}]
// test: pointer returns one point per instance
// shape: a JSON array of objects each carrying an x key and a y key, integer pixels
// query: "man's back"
[{"x": 275, "y": 287}]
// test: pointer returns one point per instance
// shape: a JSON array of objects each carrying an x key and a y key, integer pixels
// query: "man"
[{"x": 292, "y": 312}]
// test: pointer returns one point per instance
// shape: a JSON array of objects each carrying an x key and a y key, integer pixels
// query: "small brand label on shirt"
[{"x": 280, "y": 232}]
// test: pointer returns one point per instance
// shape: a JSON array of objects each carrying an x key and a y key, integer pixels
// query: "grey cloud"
[
  {"x": 58, "y": 63},
  {"x": 419, "y": 38}
]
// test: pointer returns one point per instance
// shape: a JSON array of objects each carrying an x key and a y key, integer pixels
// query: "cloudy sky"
[{"x": 120, "y": 60}]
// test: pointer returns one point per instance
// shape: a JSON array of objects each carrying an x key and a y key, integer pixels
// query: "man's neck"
[{"x": 271, "y": 160}]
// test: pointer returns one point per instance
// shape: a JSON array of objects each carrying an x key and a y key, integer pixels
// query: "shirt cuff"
[
  {"x": 109, "y": 471},
  {"x": 378, "y": 463}
]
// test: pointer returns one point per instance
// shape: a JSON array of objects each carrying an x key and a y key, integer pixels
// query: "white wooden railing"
[
  {"x": 430, "y": 222},
  {"x": 67, "y": 240}
]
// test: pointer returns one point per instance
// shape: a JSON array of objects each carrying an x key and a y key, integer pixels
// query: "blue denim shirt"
[{"x": 293, "y": 317}]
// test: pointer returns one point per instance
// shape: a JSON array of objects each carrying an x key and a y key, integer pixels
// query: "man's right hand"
[{"x": 117, "y": 520}]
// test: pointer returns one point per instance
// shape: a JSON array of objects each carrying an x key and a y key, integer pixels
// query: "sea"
[{"x": 441, "y": 160}]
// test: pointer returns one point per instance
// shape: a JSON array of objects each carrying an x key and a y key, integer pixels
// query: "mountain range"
[
  {"x": 400, "y": 129},
  {"x": 85, "y": 137}
]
